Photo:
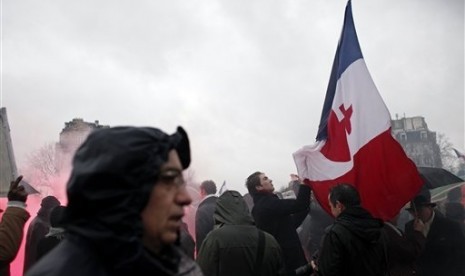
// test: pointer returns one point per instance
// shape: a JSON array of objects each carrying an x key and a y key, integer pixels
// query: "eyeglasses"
[{"x": 172, "y": 177}]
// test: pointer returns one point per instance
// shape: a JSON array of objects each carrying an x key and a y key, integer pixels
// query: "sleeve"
[
  {"x": 331, "y": 256},
  {"x": 203, "y": 225},
  {"x": 11, "y": 232},
  {"x": 405, "y": 247},
  {"x": 417, "y": 243},
  {"x": 208, "y": 257},
  {"x": 299, "y": 205}
]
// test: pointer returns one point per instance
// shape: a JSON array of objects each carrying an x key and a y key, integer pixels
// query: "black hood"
[
  {"x": 113, "y": 174},
  {"x": 231, "y": 209},
  {"x": 361, "y": 223}
]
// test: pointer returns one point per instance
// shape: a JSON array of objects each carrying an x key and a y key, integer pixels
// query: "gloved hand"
[{"x": 16, "y": 192}]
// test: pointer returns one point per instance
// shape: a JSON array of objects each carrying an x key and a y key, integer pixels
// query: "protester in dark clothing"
[
  {"x": 12, "y": 225},
  {"x": 126, "y": 199},
  {"x": 403, "y": 251},
  {"x": 444, "y": 252},
  {"x": 316, "y": 225},
  {"x": 354, "y": 244},
  {"x": 37, "y": 230},
  {"x": 55, "y": 234},
  {"x": 234, "y": 247},
  {"x": 186, "y": 241},
  {"x": 275, "y": 216},
  {"x": 204, "y": 215}
]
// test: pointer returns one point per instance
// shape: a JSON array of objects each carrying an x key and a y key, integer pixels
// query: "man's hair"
[
  {"x": 209, "y": 187},
  {"x": 345, "y": 194},
  {"x": 252, "y": 182}
]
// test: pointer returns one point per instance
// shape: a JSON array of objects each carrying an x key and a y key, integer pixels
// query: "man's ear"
[
  {"x": 259, "y": 187},
  {"x": 339, "y": 205}
]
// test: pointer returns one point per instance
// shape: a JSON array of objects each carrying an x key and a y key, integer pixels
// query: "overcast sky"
[{"x": 245, "y": 78}]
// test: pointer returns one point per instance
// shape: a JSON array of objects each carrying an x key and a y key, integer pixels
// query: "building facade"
[
  {"x": 71, "y": 137},
  {"x": 419, "y": 143}
]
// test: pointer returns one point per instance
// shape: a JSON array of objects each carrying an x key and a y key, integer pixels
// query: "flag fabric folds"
[
  {"x": 459, "y": 154},
  {"x": 354, "y": 142}
]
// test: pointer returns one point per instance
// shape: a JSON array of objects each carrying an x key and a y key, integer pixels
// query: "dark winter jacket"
[
  {"x": 37, "y": 230},
  {"x": 55, "y": 235},
  {"x": 353, "y": 246},
  {"x": 444, "y": 252},
  {"x": 403, "y": 251},
  {"x": 204, "y": 220},
  {"x": 50, "y": 241},
  {"x": 114, "y": 173},
  {"x": 75, "y": 256},
  {"x": 280, "y": 218},
  {"x": 232, "y": 248}
]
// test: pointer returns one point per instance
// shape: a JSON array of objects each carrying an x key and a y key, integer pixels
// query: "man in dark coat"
[
  {"x": 444, "y": 252},
  {"x": 204, "y": 215},
  {"x": 234, "y": 247},
  {"x": 55, "y": 234},
  {"x": 12, "y": 225},
  {"x": 353, "y": 245},
  {"x": 37, "y": 230},
  {"x": 280, "y": 217},
  {"x": 126, "y": 199},
  {"x": 402, "y": 250}
]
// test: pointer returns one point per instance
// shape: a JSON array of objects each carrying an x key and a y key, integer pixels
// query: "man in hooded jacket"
[
  {"x": 237, "y": 246},
  {"x": 354, "y": 245},
  {"x": 126, "y": 196},
  {"x": 37, "y": 230}
]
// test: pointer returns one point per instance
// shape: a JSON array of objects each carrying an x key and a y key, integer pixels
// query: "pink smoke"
[{"x": 33, "y": 205}]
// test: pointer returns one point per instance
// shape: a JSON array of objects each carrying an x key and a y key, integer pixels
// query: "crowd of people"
[{"x": 126, "y": 199}]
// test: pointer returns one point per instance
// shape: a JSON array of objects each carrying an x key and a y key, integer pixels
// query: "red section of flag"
[{"x": 384, "y": 176}]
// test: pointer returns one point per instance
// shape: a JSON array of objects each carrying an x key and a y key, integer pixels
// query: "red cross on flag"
[{"x": 354, "y": 142}]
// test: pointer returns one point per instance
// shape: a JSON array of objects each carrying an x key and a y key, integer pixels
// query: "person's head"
[
  {"x": 341, "y": 197},
  {"x": 231, "y": 209},
  {"x": 421, "y": 206},
  {"x": 127, "y": 191},
  {"x": 259, "y": 182},
  {"x": 47, "y": 204},
  {"x": 208, "y": 187}
]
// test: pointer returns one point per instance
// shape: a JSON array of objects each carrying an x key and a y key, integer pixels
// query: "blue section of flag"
[{"x": 348, "y": 51}]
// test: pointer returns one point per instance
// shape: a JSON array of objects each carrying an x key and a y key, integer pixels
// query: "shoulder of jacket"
[{"x": 18, "y": 212}]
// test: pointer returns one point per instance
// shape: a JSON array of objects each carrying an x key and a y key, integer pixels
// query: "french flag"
[{"x": 354, "y": 144}]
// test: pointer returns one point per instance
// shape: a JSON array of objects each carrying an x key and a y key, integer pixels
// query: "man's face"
[
  {"x": 162, "y": 215},
  {"x": 423, "y": 212},
  {"x": 265, "y": 184}
]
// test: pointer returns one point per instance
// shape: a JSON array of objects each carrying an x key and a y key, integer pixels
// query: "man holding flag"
[
  {"x": 355, "y": 146},
  {"x": 354, "y": 142}
]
